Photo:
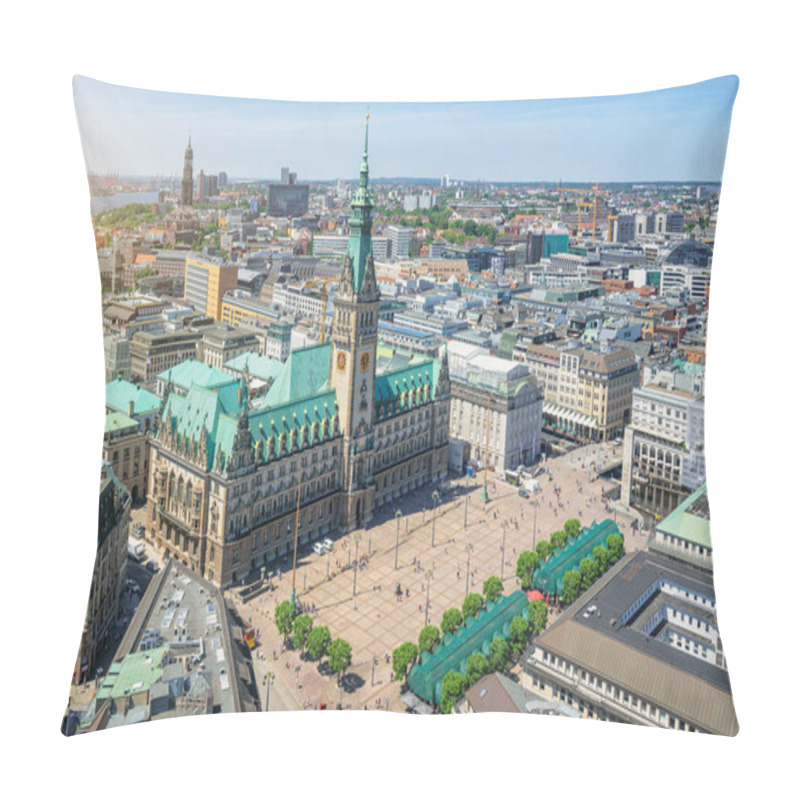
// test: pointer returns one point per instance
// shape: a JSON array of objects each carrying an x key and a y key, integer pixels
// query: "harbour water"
[{"x": 105, "y": 202}]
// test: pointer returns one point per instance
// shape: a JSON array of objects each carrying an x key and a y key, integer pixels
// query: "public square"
[{"x": 439, "y": 560}]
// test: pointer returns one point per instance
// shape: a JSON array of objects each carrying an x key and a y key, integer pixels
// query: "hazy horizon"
[{"x": 650, "y": 137}]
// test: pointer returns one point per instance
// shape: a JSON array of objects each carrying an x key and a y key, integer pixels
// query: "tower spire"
[{"x": 359, "y": 246}]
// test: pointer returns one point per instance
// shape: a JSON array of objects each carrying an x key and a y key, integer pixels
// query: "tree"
[
  {"x": 477, "y": 667},
  {"x": 454, "y": 684},
  {"x": 588, "y": 573},
  {"x": 428, "y": 638},
  {"x": 301, "y": 629},
  {"x": 340, "y": 655},
  {"x": 537, "y": 614},
  {"x": 543, "y": 550},
  {"x": 146, "y": 272},
  {"x": 616, "y": 547},
  {"x": 601, "y": 557},
  {"x": 451, "y": 619},
  {"x": 527, "y": 562},
  {"x": 518, "y": 633},
  {"x": 402, "y": 658},
  {"x": 319, "y": 640},
  {"x": 572, "y": 527},
  {"x": 284, "y": 618},
  {"x": 498, "y": 654},
  {"x": 492, "y": 588},
  {"x": 571, "y": 586},
  {"x": 473, "y": 603},
  {"x": 558, "y": 539}
]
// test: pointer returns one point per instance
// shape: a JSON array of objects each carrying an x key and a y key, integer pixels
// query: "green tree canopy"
[
  {"x": 340, "y": 655},
  {"x": 537, "y": 614},
  {"x": 588, "y": 573},
  {"x": 301, "y": 629},
  {"x": 543, "y": 550},
  {"x": 477, "y": 667},
  {"x": 145, "y": 272},
  {"x": 492, "y": 588},
  {"x": 451, "y": 619},
  {"x": 284, "y": 618},
  {"x": 319, "y": 639},
  {"x": 558, "y": 539},
  {"x": 473, "y": 603},
  {"x": 454, "y": 684},
  {"x": 518, "y": 633},
  {"x": 526, "y": 564},
  {"x": 601, "y": 557},
  {"x": 428, "y": 637},
  {"x": 572, "y": 527},
  {"x": 498, "y": 654},
  {"x": 571, "y": 586},
  {"x": 403, "y": 657},
  {"x": 616, "y": 547}
]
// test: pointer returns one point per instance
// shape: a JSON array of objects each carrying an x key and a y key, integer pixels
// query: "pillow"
[{"x": 430, "y": 442}]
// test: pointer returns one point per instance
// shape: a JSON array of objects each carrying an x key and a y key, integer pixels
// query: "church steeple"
[{"x": 187, "y": 182}]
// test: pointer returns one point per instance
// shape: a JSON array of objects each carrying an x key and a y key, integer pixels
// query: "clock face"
[
  {"x": 364, "y": 364},
  {"x": 341, "y": 360}
]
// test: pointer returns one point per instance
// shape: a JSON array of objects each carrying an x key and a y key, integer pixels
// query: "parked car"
[
  {"x": 524, "y": 493},
  {"x": 133, "y": 586},
  {"x": 139, "y": 532},
  {"x": 152, "y": 566},
  {"x": 319, "y": 548},
  {"x": 327, "y": 544}
]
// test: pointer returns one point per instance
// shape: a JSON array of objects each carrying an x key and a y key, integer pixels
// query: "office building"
[
  {"x": 642, "y": 644},
  {"x": 109, "y": 574},
  {"x": 206, "y": 281}
]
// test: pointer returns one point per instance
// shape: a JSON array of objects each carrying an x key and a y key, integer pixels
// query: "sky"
[{"x": 677, "y": 134}]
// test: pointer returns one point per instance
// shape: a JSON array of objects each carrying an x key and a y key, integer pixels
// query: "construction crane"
[{"x": 593, "y": 205}]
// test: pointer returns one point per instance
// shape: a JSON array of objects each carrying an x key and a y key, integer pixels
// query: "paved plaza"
[{"x": 438, "y": 566}]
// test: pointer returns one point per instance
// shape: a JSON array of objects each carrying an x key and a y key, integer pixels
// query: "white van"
[{"x": 136, "y": 550}]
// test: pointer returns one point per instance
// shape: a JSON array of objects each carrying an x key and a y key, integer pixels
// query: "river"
[{"x": 105, "y": 202}]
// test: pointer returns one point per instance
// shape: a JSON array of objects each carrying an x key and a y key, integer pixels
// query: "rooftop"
[{"x": 690, "y": 520}]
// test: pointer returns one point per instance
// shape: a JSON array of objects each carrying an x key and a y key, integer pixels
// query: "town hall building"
[{"x": 348, "y": 438}]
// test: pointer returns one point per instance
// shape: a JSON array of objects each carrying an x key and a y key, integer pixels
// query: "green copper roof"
[
  {"x": 262, "y": 367},
  {"x": 120, "y": 393},
  {"x": 290, "y": 425},
  {"x": 689, "y": 520},
  {"x": 474, "y": 636},
  {"x": 116, "y": 421},
  {"x": 359, "y": 245},
  {"x": 390, "y": 386},
  {"x": 137, "y": 673},
  {"x": 304, "y": 373},
  {"x": 194, "y": 373},
  {"x": 549, "y": 576}
]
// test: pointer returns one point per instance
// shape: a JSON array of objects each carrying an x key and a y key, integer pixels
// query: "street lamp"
[
  {"x": 397, "y": 516},
  {"x": 269, "y": 679},
  {"x": 469, "y": 548},
  {"x": 466, "y": 500},
  {"x": 535, "y": 509},
  {"x": 428, "y": 575},
  {"x": 357, "y": 538},
  {"x": 435, "y": 498},
  {"x": 503, "y": 549}
]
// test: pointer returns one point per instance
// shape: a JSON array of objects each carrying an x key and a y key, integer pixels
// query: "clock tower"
[{"x": 354, "y": 339}]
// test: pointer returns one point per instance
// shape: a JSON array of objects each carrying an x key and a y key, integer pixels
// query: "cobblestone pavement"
[{"x": 376, "y": 618}]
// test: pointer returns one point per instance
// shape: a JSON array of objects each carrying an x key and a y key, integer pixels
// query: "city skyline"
[{"x": 645, "y": 137}]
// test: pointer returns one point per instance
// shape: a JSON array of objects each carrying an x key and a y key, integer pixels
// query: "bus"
[{"x": 512, "y": 477}]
